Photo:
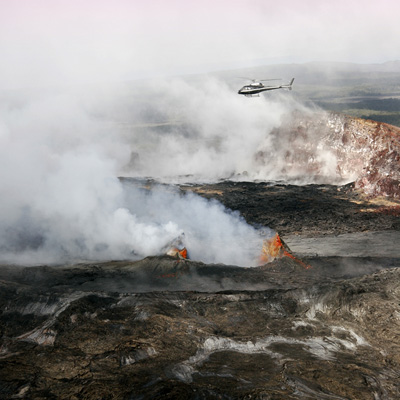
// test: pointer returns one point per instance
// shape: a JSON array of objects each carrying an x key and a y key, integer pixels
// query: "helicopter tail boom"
[{"x": 288, "y": 86}]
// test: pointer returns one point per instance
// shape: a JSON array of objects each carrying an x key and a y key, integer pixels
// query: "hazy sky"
[{"x": 45, "y": 42}]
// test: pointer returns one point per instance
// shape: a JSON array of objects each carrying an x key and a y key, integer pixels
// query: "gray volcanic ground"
[
  {"x": 164, "y": 327},
  {"x": 91, "y": 307}
]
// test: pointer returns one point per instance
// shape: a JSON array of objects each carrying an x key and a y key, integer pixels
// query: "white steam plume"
[
  {"x": 214, "y": 134},
  {"x": 62, "y": 200},
  {"x": 210, "y": 232},
  {"x": 202, "y": 130},
  {"x": 61, "y": 154}
]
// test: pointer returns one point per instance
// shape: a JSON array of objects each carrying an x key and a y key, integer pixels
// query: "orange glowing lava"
[
  {"x": 175, "y": 252},
  {"x": 274, "y": 248}
]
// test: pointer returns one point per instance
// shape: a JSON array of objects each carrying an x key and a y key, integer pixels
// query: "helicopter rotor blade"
[
  {"x": 259, "y": 80},
  {"x": 247, "y": 79}
]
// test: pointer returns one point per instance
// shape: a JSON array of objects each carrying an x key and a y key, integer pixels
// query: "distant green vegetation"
[
  {"x": 369, "y": 91},
  {"x": 382, "y": 110},
  {"x": 392, "y": 119}
]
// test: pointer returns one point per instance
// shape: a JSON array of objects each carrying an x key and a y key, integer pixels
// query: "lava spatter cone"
[
  {"x": 274, "y": 248},
  {"x": 178, "y": 253},
  {"x": 176, "y": 248}
]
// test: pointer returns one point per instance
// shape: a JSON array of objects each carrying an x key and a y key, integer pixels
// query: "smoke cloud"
[
  {"x": 61, "y": 153},
  {"x": 200, "y": 130}
]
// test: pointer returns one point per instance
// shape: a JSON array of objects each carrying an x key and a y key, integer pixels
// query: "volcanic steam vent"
[{"x": 335, "y": 148}]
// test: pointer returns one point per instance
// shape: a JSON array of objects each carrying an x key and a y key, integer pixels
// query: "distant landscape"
[{"x": 369, "y": 91}]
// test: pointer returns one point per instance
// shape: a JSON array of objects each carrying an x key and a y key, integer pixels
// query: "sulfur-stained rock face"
[
  {"x": 373, "y": 146},
  {"x": 336, "y": 147}
]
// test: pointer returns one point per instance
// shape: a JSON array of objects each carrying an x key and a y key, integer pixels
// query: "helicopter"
[{"x": 256, "y": 87}]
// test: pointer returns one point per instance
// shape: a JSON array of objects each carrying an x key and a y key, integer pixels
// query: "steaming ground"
[
  {"x": 213, "y": 134},
  {"x": 62, "y": 151},
  {"x": 137, "y": 222}
]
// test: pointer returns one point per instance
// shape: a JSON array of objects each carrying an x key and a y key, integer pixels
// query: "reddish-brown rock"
[{"x": 337, "y": 147}]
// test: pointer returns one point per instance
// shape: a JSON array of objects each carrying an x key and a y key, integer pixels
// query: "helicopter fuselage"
[{"x": 257, "y": 87}]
